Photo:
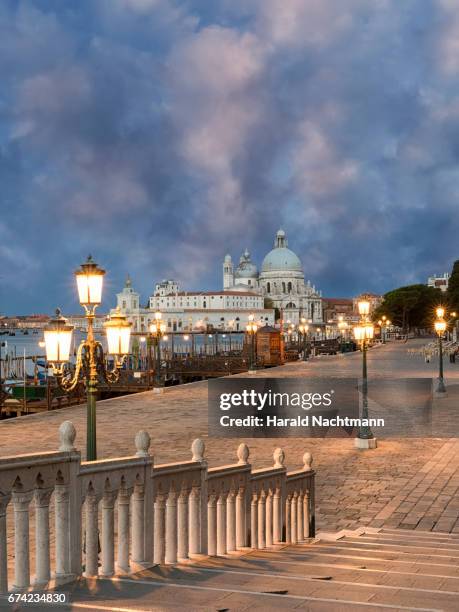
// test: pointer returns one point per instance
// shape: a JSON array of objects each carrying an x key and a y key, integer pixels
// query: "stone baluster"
[
  {"x": 253, "y": 520},
  {"x": 288, "y": 516},
  {"x": 124, "y": 496},
  {"x": 294, "y": 511},
  {"x": 62, "y": 523},
  {"x": 269, "y": 518},
  {"x": 21, "y": 501},
  {"x": 160, "y": 529},
  {"x": 182, "y": 525},
  {"x": 221, "y": 524},
  {"x": 42, "y": 571},
  {"x": 241, "y": 537},
  {"x": 277, "y": 514},
  {"x": 4, "y": 501},
  {"x": 194, "y": 529},
  {"x": 108, "y": 533},
  {"x": 92, "y": 534},
  {"x": 307, "y": 497},
  {"x": 138, "y": 523},
  {"x": 199, "y": 533},
  {"x": 299, "y": 520},
  {"x": 261, "y": 519},
  {"x": 212, "y": 526},
  {"x": 306, "y": 514},
  {"x": 231, "y": 521},
  {"x": 171, "y": 528}
]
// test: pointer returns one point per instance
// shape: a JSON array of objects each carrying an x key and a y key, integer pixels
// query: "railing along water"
[{"x": 148, "y": 513}]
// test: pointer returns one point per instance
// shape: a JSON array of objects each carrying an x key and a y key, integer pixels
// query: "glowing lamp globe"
[
  {"x": 364, "y": 307},
  {"x": 369, "y": 331},
  {"x": 359, "y": 332},
  {"x": 90, "y": 279},
  {"x": 440, "y": 327},
  {"x": 118, "y": 330},
  {"x": 58, "y": 339},
  {"x": 440, "y": 312}
]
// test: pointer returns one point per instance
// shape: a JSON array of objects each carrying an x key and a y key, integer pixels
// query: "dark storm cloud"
[{"x": 159, "y": 135}]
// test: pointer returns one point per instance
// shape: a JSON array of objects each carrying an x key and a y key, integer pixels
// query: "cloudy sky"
[{"x": 160, "y": 134}]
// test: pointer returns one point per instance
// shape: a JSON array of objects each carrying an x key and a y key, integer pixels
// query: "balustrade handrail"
[{"x": 165, "y": 513}]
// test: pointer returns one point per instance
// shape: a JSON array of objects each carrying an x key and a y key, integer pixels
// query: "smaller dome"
[
  {"x": 246, "y": 270},
  {"x": 227, "y": 258}
]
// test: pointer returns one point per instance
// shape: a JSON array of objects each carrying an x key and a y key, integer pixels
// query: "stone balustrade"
[{"x": 148, "y": 513}]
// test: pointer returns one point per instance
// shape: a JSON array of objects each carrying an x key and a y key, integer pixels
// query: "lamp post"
[
  {"x": 302, "y": 331},
  {"x": 90, "y": 363},
  {"x": 342, "y": 327},
  {"x": 157, "y": 331},
  {"x": 441, "y": 325},
  {"x": 384, "y": 323},
  {"x": 251, "y": 328},
  {"x": 364, "y": 332}
]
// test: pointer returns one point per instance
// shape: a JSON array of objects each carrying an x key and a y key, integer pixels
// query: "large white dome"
[{"x": 281, "y": 259}]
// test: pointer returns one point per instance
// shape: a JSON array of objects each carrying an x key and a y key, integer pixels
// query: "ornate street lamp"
[
  {"x": 342, "y": 327},
  {"x": 90, "y": 364},
  {"x": 441, "y": 325},
  {"x": 157, "y": 330},
  {"x": 303, "y": 329},
  {"x": 252, "y": 329},
  {"x": 384, "y": 323},
  {"x": 362, "y": 333}
]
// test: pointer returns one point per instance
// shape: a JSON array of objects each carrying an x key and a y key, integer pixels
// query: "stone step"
[
  {"x": 364, "y": 557},
  {"x": 409, "y": 545},
  {"x": 391, "y": 551},
  {"x": 413, "y": 539},
  {"x": 420, "y": 534},
  {"x": 354, "y": 573}
]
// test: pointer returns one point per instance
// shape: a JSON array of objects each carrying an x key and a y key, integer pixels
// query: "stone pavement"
[{"x": 411, "y": 483}]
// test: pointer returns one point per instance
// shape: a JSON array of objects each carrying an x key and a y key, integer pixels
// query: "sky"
[{"x": 158, "y": 135}]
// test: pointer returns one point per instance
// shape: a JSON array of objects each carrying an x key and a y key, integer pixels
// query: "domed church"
[{"x": 281, "y": 279}]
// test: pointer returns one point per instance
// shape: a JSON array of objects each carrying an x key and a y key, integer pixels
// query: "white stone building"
[
  {"x": 281, "y": 279},
  {"x": 439, "y": 282},
  {"x": 190, "y": 310}
]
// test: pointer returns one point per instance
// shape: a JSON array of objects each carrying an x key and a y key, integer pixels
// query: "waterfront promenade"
[{"x": 408, "y": 483}]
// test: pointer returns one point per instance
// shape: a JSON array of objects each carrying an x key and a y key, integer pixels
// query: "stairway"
[{"x": 365, "y": 569}]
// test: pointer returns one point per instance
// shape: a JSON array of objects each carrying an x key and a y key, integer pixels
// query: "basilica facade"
[{"x": 281, "y": 279}]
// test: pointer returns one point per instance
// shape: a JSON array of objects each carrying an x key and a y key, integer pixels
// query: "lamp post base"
[
  {"x": 365, "y": 443},
  {"x": 440, "y": 390}
]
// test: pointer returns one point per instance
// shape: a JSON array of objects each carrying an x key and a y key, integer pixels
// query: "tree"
[
  {"x": 410, "y": 307},
  {"x": 453, "y": 288}
]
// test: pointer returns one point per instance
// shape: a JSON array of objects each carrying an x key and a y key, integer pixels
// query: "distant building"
[
  {"x": 439, "y": 282},
  {"x": 193, "y": 310},
  {"x": 80, "y": 322},
  {"x": 334, "y": 308},
  {"x": 281, "y": 279}
]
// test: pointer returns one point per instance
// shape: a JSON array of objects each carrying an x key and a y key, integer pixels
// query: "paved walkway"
[{"x": 411, "y": 483}]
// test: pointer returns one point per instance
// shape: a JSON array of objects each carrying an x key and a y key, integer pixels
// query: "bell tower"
[{"x": 228, "y": 273}]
